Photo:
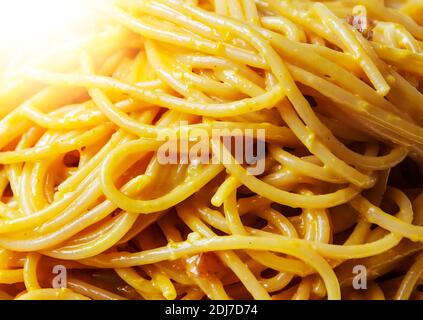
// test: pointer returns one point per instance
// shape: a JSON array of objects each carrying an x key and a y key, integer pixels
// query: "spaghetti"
[{"x": 337, "y": 89}]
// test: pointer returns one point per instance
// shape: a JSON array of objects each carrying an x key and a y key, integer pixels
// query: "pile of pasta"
[{"x": 337, "y": 87}]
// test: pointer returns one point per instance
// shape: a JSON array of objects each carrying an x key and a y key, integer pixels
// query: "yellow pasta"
[{"x": 218, "y": 149}]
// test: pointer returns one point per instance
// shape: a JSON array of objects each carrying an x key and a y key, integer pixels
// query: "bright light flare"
[{"x": 28, "y": 26}]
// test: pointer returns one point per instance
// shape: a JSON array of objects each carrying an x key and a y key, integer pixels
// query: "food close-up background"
[{"x": 211, "y": 150}]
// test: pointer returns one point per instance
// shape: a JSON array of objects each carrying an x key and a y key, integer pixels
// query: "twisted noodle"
[{"x": 336, "y": 87}]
